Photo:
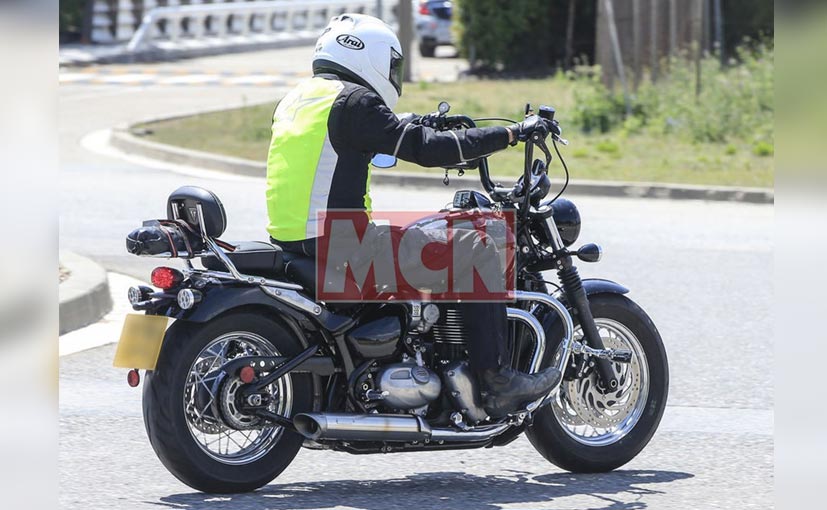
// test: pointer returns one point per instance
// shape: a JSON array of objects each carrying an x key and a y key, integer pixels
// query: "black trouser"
[{"x": 486, "y": 322}]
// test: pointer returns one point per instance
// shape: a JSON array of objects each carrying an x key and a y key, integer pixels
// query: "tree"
[{"x": 525, "y": 35}]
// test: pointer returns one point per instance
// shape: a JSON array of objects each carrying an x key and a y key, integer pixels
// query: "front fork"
[{"x": 579, "y": 302}]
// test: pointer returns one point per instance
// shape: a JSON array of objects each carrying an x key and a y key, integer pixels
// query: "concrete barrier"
[{"x": 228, "y": 24}]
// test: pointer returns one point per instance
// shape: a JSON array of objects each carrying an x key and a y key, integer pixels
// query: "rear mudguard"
[{"x": 224, "y": 298}]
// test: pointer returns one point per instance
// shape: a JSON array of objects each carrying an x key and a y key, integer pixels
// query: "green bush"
[
  {"x": 71, "y": 16},
  {"x": 513, "y": 35},
  {"x": 735, "y": 103}
]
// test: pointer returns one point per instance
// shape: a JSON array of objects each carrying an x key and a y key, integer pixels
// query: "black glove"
[{"x": 523, "y": 130}]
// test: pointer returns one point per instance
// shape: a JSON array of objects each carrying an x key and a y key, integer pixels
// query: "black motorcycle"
[{"x": 253, "y": 367}]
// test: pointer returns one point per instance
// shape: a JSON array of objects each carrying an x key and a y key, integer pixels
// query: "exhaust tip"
[{"x": 307, "y": 426}]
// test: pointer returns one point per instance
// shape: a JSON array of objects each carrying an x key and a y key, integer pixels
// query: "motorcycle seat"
[
  {"x": 261, "y": 258},
  {"x": 301, "y": 269},
  {"x": 257, "y": 258}
]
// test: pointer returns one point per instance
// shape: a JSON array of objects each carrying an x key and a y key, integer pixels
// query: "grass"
[{"x": 617, "y": 155}]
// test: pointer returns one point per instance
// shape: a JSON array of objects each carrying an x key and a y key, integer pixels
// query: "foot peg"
[{"x": 616, "y": 355}]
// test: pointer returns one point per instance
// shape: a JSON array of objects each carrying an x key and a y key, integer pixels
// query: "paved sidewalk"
[
  {"x": 83, "y": 294},
  {"x": 108, "y": 329}
]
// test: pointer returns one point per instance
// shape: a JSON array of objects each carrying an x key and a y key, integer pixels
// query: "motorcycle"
[{"x": 253, "y": 368}]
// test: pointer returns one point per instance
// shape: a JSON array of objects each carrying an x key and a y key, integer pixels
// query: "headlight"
[
  {"x": 187, "y": 298},
  {"x": 567, "y": 218}
]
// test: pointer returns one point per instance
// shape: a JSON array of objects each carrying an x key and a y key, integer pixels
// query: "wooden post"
[
  {"x": 697, "y": 36},
  {"x": 406, "y": 35},
  {"x": 618, "y": 56},
  {"x": 653, "y": 39},
  {"x": 569, "y": 53},
  {"x": 637, "y": 43},
  {"x": 719, "y": 31},
  {"x": 673, "y": 27}
]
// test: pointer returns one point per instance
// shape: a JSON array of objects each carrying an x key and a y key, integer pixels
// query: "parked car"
[{"x": 433, "y": 25}]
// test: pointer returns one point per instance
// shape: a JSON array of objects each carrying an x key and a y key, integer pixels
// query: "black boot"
[{"x": 508, "y": 390}]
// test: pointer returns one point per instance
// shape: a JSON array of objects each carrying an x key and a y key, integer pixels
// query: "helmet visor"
[{"x": 397, "y": 70}]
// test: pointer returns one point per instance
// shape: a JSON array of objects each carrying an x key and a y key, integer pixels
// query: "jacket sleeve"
[{"x": 369, "y": 125}]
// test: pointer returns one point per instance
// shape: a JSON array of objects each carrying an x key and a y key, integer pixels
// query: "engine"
[
  {"x": 450, "y": 337},
  {"x": 407, "y": 385},
  {"x": 432, "y": 356}
]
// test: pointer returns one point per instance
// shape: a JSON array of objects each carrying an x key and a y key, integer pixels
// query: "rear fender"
[{"x": 221, "y": 299}]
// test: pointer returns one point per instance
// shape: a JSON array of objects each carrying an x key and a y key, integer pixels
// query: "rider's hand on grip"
[{"x": 523, "y": 130}]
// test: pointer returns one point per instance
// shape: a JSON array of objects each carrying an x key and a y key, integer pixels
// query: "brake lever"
[{"x": 540, "y": 142}]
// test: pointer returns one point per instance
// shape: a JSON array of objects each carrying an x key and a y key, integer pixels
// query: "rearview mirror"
[{"x": 383, "y": 161}]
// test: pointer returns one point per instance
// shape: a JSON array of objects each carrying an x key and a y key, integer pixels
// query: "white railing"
[{"x": 238, "y": 22}]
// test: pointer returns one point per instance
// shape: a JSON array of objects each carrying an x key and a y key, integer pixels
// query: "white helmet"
[{"x": 364, "y": 48}]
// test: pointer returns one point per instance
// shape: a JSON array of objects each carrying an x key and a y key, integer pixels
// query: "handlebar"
[{"x": 442, "y": 122}]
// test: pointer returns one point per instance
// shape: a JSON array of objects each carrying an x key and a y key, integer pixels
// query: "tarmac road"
[{"x": 701, "y": 270}]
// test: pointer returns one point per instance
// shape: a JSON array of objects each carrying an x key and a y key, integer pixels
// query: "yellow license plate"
[{"x": 140, "y": 343}]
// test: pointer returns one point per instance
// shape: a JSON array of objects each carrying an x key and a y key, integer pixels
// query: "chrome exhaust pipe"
[
  {"x": 385, "y": 427},
  {"x": 362, "y": 427},
  {"x": 475, "y": 435}
]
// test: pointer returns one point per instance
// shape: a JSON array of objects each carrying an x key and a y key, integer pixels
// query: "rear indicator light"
[
  {"x": 138, "y": 294},
  {"x": 166, "y": 277},
  {"x": 187, "y": 298},
  {"x": 423, "y": 9}
]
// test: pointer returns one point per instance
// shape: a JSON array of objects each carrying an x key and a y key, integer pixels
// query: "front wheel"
[{"x": 588, "y": 430}]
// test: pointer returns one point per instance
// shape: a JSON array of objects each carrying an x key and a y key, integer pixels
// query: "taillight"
[
  {"x": 166, "y": 277},
  {"x": 423, "y": 8}
]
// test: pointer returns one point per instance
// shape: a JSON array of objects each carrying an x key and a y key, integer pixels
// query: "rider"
[{"x": 325, "y": 132}]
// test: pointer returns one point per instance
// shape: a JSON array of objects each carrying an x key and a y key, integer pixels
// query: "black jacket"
[{"x": 360, "y": 125}]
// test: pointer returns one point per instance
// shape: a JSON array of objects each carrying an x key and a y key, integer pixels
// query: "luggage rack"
[{"x": 283, "y": 291}]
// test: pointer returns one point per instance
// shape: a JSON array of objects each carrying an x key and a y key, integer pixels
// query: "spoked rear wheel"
[
  {"x": 193, "y": 413},
  {"x": 213, "y": 414},
  {"x": 588, "y": 429}
]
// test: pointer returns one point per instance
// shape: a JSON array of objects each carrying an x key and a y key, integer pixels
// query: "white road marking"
[
  {"x": 98, "y": 142},
  {"x": 124, "y": 78},
  {"x": 74, "y": 77},
  {"x": 257, "y": 79},
  {"x": 189, "y": 79}
]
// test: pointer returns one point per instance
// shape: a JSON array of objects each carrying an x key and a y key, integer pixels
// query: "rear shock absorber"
[{"x": 573, "y": 287}]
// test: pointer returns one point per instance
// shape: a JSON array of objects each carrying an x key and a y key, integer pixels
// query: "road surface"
[{"x": 701, "y": 270}]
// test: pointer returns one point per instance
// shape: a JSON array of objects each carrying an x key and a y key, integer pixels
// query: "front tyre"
[
  {"x": 586, "y": 430},
  {"x": 191, "y": 414}
]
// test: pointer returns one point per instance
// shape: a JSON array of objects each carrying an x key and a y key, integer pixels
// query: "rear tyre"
[
  {"x": 210, "y": 446},
  {"x": 587, "y": 431}
]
